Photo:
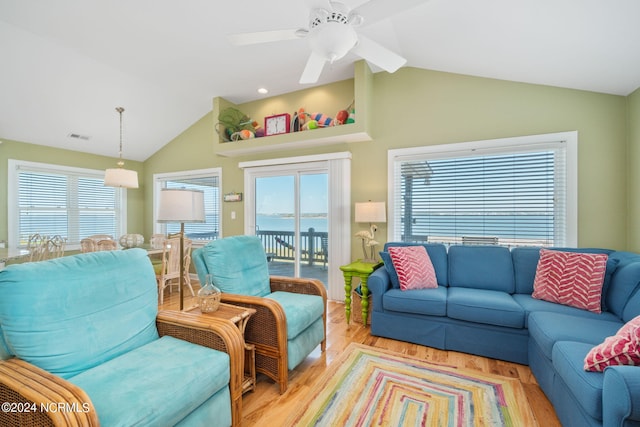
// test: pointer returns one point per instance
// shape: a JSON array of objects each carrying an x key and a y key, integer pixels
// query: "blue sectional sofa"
[{"x": 483, "y": 305}]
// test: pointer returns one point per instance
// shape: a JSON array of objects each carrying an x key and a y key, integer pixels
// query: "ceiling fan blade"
[
  {"x": 243, "y": 39},
  {"x": 377, "y": 54},
  {"x": 377, "y": 10},
  {"x": 313, "y": 69}
]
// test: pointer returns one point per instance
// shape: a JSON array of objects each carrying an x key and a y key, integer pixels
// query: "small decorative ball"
[
  {"x": 246, "y": 134},
  {"x": 131, "y": 240},
  {"x": 312, "y": 124}
]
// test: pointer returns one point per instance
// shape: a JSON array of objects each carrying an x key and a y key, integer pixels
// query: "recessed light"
[{"x": 263, "y": 90}]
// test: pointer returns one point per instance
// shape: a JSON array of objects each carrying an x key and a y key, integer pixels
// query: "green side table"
[{"x": 362, "y": 270}]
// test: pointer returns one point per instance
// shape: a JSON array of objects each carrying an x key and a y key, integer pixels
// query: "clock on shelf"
[{"x": 277, "y": 124}]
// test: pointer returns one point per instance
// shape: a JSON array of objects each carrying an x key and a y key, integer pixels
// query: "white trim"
[
  {"x": 295, "y": 160},
  {"x": 518, "y": 143}
]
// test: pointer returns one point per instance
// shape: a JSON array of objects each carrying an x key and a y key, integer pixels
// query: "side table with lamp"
[{"x": 368, "y": 212}]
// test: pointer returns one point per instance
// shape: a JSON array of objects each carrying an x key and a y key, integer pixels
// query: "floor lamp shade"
[
  {"x": 181, "y": 205},
  {"x": 119, "y": 177}
]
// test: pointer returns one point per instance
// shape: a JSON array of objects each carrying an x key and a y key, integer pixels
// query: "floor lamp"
[{"x": 181, "y": 205}]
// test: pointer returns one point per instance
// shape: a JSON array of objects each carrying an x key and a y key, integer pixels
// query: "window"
[
  {"x": 206, "y": 180},
  {"x": 59, "y": 200},
  {"x": 513, "y": 191}
]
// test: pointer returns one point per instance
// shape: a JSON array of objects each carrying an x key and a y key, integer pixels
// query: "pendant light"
[{"x": 120, "y": 177}]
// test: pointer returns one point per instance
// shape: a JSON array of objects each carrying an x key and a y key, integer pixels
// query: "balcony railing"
[{"x": 281, "y": 245}]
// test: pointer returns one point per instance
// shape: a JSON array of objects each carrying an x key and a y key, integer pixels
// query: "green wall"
[
  {"x": 39, "y": 153},
  {"x": 633, "y": 175},
  {"x": 415, "y": 107}
]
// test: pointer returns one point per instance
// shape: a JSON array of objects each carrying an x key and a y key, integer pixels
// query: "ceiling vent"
[{"x": 78, "y": 136}]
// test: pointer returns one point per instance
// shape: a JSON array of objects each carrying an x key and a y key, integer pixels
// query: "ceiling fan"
[{"x": 332, "y": 34}]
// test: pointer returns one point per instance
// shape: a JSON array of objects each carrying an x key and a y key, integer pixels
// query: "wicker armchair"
[
  {"x": 31, "y": 390},
  {"x": 267, "y": 329}
]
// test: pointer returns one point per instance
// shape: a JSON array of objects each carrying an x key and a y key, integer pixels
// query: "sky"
[{"x": 275, "y": 195}]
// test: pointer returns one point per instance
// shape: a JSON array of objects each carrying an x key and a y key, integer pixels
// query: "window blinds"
[
  {"x": 71, "y": 204},
  {"x": 210, "y": 186},
  {"x": 514, "y": 197}
]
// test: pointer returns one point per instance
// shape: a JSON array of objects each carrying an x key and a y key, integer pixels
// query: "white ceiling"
[{"x": 66, "y": 64}]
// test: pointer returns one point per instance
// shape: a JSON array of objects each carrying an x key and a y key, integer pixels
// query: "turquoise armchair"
[
  {"x": 82, "y": 343},
  {"x": 290, "y": 320}
]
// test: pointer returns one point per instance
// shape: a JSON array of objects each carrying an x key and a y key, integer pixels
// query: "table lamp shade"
[
  {"x": 181, "y": 205},
  {"x": 371, "y": 212}
]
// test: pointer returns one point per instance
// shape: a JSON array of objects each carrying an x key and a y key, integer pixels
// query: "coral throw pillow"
[
  {"x": 414, "y": 267},
  {"x": 570, "y": 278},
  {"x": 621, "y": 349}
]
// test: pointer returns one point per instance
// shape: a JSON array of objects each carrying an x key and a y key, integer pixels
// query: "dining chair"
[
  {"x": 106, "y": 245},
  {"x": 168, "y": 271},
  {"x": 36, "y": 247},
  {"x": 54, "y": 247}
]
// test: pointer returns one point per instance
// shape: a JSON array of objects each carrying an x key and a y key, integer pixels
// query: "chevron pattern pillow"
[
  {"x": 570, "y": 278},
  {"x": 414, "y": 267},
  {"x": 621, "y": 349}
]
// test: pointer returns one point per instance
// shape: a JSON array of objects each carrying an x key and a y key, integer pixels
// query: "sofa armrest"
[
  {"x": 33, "y": 396},
  {"x": 378, "y": 283},
  {"x": 621, "y": 395},
  {"x": 218, "y": 334}
]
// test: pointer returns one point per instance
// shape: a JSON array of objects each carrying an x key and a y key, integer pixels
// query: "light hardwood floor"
[{"x": 266, "y": 407}]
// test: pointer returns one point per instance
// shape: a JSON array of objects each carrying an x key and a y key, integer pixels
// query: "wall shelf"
[{"x": 350, "y": 133}]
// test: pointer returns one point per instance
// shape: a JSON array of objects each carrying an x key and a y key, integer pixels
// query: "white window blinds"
[
  {"x": 55, "y": 200},
  {"x": 511, "y": 194}
]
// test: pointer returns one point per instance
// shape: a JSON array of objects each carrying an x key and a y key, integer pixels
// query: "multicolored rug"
[{"x": 367, "y": 386}]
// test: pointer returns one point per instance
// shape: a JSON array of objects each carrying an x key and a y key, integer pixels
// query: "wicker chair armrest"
[
  {"x": 299, "y": 286},
  {"x": 268, "y": 326},
  {"x": 34, "y": 397},
  {"x": 218, "y": 334}
]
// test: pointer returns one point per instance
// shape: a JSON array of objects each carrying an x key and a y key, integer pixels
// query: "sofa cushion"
[
  {"x": 430, "y": 302},
  {"x": 621, "y": 349},
  {"x": 301, "y": 310},
  {"x": 567, "y": 359},
  {"x": 437, "y": 254},
  {"x": 570, "y": 278},
  {"x": 549, "y": 328},
  {"x": 121, "y": 388},
  {"x": 525, "y": 263},
  {"x": 239, "y": 263},
  {"x": 481, "y": 267},
  {"x": 484, "y": 306},
  {"x": 531, "y": 305},
  {"x": 71, "y": 314},
  {"x": 414, "y": 268}
]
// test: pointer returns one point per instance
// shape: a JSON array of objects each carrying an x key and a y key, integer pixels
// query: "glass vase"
[{"x": 209, "y": 296}]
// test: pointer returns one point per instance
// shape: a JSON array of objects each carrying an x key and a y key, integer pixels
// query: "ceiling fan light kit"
[{"x": 332, "y": 35}]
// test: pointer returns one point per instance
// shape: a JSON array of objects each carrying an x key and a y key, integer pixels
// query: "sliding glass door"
[
  {"x": 297, "y": 209},
  {"x": 291, "y": 217}
]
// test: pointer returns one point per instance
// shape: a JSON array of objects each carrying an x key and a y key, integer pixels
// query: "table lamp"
[
  {"x": 370, "y": 212},
  {"x": 181, "y": 205}
]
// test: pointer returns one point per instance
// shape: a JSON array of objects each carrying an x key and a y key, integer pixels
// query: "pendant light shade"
[{"x": 120, "y": 177}]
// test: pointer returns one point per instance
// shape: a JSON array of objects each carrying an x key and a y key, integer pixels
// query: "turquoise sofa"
[
  {"x": 483, "y": 306},
  {"x": 82, "y": 343}
]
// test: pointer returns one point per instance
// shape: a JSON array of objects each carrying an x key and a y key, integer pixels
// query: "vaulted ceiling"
[{"x": 67, "y": 64}]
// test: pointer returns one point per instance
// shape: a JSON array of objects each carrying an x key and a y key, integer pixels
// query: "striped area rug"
[{"x": 367, "y": 386}]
